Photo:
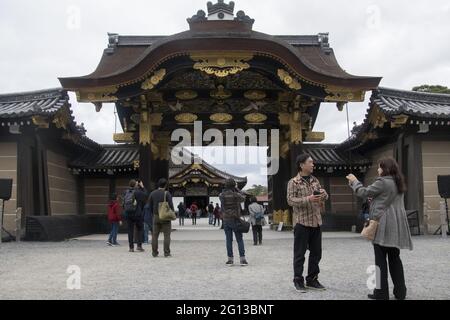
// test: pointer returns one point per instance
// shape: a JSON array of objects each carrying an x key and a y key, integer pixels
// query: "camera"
[{"x": 317, "y": 193}]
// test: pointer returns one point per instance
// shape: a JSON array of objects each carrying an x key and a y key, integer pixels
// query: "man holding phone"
[{"x": 306, "y": 197}]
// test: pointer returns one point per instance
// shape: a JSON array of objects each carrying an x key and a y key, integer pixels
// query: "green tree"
[
  {"x": 432, "y": 89},
  {"x": 257, "y": 190}
]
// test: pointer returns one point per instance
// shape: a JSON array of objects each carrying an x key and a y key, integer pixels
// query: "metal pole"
[
  {"x": 1, "y": 221},
  {"x": 444, "y": 225},
  {"x": 18, "y": 224},
  {"x": 425, "y": 219}
]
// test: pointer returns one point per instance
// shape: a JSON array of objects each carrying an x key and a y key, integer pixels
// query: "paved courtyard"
[{"x": 197, "y": 271}]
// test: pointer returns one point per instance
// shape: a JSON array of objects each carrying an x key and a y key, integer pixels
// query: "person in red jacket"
[
  {"x": 115, "y": 219},
  {"x": 194, "y": 209}
]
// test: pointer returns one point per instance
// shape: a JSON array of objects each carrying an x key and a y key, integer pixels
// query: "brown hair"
[
  {"x": 390, "y": 168},
  {"x": 132, "y": 183}
]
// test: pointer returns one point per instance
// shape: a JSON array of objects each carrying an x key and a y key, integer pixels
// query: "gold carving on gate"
[
  {"x": 125, "y": 137},
  {"x": 314, "y": 136},
  {"x": 102, "y": 94},
  {"x": 145, "y": 129},
  {"x": 136, "y": 164},
  {"x": 294, "y": 124},
  {"x": 62, "y": 118},
  {"x": 221, "y": 117},
  {"x": 255, "y": 117},
  {"x": 186, "y": 94},
  {"x": 220, "y": 93},
  {"x": 342, "y": 94},
  {"x": 255, "y": 94},
  {"x": 399, "y": 120},
  {"x": 221, "y": 64},
  {"x": 186, "y": 118},
  {"x": 377, "y": 118},
  {"x": 161, "y": 146},
  {"x": 156, "y": 78},
  {"x": 40, "y": 121},
  {"x": 155, "y": 119},
  {"x": 289, "y": 80},
  {"x": 282, "y": 216}
]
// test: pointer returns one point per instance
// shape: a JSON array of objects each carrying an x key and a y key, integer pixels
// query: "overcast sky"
[{"x": 405, "y": 42}]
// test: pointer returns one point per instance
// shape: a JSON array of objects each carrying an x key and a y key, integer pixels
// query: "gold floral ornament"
[
  {"x": 186, "y": 118},
  {"x": 62, "y": 118},
  {"x": 186, "y": 95},
  {"x": 151, "y": 82},
  {"x": 342, "y": 94},
  {"x": 255, "y": 117},
  {"x": 103, "y": 94},
  {"x": 221, "y": 64},
  {"x": 288, "y": 80},
  {"x": 220, "y": 93},
  {"x": 377, "y": 118},
  {"x": 126, "y": 137},
  {"x": 221, "y": 117},
  {"x": 255, "y": 95},
  {"x": 40, "y": 122}
]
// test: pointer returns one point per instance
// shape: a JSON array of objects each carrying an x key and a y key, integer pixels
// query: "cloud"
[{"x": 403, "y": 41}]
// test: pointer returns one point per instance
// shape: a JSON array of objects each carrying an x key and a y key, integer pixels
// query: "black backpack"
[{"x": 129, "y": 201}]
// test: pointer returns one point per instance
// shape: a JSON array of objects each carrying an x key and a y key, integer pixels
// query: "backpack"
[
  {"x": 129, "y": 201},
  {"x": 260, "y": 214}
]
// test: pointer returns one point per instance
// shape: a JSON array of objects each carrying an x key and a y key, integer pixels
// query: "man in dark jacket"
[
  {"x": 210, "y": 209},
  {"x": 231, "y": 199},
  {"x": 156, "y": 197},
  {"x": 135, "y": 219},
  {"x": 181, "y": 213}
]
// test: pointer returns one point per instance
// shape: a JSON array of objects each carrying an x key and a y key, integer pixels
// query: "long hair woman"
[{"x": 387, "y": 207}]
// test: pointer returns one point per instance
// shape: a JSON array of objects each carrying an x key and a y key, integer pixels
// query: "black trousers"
[
  {"x": 194, "y": 218},
  {"x": 395, "y": 269},
  {"x": 307, "y": 238},
  {"x": 257, "y": 234},
  {"x": 139, "y": 223},
  {"x": 158, "y": 227}
]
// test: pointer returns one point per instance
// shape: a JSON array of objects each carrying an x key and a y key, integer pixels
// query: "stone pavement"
[{"x": 31, "y": 270}]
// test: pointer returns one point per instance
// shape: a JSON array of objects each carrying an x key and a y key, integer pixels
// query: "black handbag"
[{"x": 242, "y": 226}]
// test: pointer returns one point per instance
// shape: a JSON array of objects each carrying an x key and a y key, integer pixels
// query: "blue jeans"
[
  {"x": 114, "y": 231},
  {"x": 146, "y": 231},
  {"x": 229, "y": 228},
  {"x": 211, "y": 217}
]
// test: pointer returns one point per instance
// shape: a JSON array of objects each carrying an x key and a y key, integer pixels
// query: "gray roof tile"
[{"x": 42, "y": 102}]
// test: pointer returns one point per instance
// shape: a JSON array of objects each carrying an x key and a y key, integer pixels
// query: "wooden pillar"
[
  {"x": 42, "y": 177},
  {"x": 24, "y": 176},
  {"x": 295, "y": 149},
  {"x": 160, "y": 161},
  {"x": 145, "y": 165},
  {"x": 279, "y": 192}
]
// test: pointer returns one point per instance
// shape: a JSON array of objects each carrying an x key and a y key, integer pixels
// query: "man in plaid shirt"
[{"x": 307, "y": 198}]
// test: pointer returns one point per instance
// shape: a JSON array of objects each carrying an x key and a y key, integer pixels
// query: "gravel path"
[{"x": 197, "y": 271}]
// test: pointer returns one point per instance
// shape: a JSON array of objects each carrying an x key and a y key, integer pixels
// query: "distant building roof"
[
  {"x": 23, "y": 104},
  {"x": 123, "y": 158},
  {"x": 420, "y": 107},
  {"x": 420, "y": 104},
  {"x": 110, "y": 156},
  {"x": 330, "y": 155}
]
